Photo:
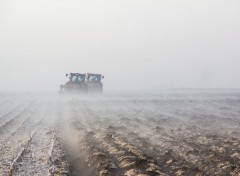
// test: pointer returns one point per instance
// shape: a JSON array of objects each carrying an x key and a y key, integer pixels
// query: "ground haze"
[{"x": 194, "y": 132}]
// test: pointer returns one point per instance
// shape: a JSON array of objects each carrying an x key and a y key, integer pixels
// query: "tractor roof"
[
  {"x": 93, "y": 74},
  {"x": 77, "y": 74}
]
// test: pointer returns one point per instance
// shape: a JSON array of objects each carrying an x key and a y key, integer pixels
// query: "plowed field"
[{"x": 120, "y": 134}]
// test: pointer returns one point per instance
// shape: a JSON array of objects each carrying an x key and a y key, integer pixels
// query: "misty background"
[{"x": 136, "y": 45}]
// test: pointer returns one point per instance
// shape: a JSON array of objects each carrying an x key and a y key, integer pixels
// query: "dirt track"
[{"x": 170, "y": 133}]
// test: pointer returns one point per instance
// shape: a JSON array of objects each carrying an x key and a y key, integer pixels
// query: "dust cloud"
[
  {"x": 161, "y": 133},
  {"x": 170, "y": 100}
]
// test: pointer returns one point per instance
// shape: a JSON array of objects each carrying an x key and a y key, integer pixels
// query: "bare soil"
[{"x": 121, "y": 134}]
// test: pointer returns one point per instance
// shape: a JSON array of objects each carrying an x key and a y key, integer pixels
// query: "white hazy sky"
[{"x": 136, "y": 44}]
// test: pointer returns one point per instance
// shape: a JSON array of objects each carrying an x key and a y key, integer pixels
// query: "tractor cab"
[
  {"x": 75, "y": 84},
  {"x": 76, "y": 78},
  {"x": 94, "y": 82},
  {"x": 94, "y": 77}
]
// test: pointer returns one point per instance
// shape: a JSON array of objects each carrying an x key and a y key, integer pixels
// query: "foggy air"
[{"x": 119, "y": 88}]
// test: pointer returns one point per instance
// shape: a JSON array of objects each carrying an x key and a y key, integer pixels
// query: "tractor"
[
  {"x": 76, "y": 84},
  {"x": 82, "y": 83},
  {"x": 94, "y": 82}
]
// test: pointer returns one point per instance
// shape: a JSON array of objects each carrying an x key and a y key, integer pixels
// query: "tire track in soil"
[
  {"x": 167, "y": 140},
  {"x": 113, "y": 164},
  {"x": 34, "y": 161},
  {"x": 7, "y": 106},
  {"x": 15, "y": 108},
  {"x": 130, "y": 132},
  {"x": 70, "y": 139},
  {"x": 152, "y": 128},
  {"x": 187, "y": 149},
  {"x": 102, "y": 137},
  {"x": 220, "y": 149},
  {"x": 16, "y": 121},
  {"x": 128, "y": 146},
  {"x": 43, "y": 153},
  {"x": 17, "y": 136},
  {"x": 91, "y": 153}
]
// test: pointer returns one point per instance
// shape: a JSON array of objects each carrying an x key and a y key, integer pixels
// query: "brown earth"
[{"x": 157, "y": 134}]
